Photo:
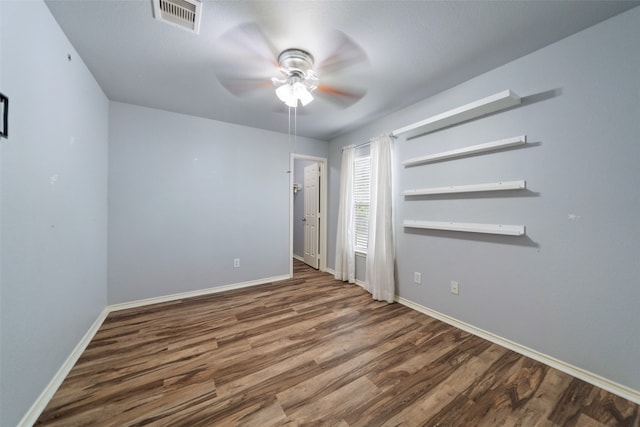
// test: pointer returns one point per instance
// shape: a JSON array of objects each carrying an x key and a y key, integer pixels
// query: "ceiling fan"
[{"x": 253, "y": 65}]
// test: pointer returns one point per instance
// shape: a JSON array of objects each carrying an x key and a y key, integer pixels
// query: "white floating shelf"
[
  {"x": 473, "y": 149},
  {"x": 508, "y": 230},
  {"x": 482, "y": 107},
  {"x": 491, "y": 186}
]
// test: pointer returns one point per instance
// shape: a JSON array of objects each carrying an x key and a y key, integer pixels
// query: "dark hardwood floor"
[{"x": 312, "y": 351}]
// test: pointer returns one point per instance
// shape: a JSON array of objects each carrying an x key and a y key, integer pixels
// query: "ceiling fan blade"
[
  {"x": 248, "y": 40},
  {"x": 249, "y": 60},
  {"x": 345, "y": 53},
  {"x": 340, "y": 97}
]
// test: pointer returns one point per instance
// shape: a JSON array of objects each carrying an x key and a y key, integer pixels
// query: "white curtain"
[
  {"x": 380, "y": 278},
  {"x": 345, "y": 241}
]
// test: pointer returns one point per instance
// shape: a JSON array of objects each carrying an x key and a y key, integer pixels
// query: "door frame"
[{"x": 322, "y": 238}]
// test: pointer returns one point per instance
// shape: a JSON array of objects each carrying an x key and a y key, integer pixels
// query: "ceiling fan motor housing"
[{"x": 297, "y": 62}]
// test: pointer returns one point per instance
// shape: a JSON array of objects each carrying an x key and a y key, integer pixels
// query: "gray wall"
[
  {"x": 54, "y": 204},
  {"x": 298, "y": 207},
  {"x": 188, "y": 195},
  {"x": 569, "y": 289}
]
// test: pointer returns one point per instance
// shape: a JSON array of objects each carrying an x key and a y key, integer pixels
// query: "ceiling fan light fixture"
[
  {"x": 284, "y": 92},
  {"x": 293, "y": 91},
  {"x": 302, "y": 93}
]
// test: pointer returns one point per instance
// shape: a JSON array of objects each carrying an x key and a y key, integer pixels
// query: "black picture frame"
[{"x": 5, "y": 116}]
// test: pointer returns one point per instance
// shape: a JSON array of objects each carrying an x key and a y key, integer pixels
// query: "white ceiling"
[{"x": 414, "y": 49}]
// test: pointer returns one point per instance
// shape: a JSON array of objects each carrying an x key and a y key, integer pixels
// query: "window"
[{"x": 361, "y": 183}]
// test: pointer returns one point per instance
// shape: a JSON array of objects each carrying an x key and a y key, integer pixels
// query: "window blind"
[{"x": 362, "y": 178}]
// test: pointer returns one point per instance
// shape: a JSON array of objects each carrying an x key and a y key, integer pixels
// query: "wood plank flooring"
[{"x": 312, "y": 351}]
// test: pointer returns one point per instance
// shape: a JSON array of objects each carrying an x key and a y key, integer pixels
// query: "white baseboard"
[
  {"x": 591, "y": 378},
  {"x": 41, "y": 402},
  {"x": 298, "y": 257},
  {"x": 191, "y": 294},
  {"x": 357, "y": 282}
]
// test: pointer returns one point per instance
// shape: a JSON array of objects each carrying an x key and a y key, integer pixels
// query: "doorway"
[{"x": 308, "y": 207}]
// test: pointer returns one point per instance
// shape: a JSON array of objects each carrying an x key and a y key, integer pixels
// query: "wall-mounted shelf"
[
  {"x": 474, "y": 149},
  {"x": 482, "y": 107},
  {"x": 471, "y": 188},
  {"x": 508, "y": 230}
]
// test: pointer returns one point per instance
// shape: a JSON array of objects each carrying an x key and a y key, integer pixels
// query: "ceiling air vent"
[{"x": 180, "y": 13}]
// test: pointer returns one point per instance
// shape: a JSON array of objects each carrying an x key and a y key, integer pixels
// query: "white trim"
[
  {"x": 43, "y": 399},
  {"x": 41, "y": 402},
  {"x": 324, "y": 182},
  {"x": 191, "y": 294},
  {"x": 357, "y": 282},
  {"x": 298, "y": 257},
  {"x": 594, "y": 379}
]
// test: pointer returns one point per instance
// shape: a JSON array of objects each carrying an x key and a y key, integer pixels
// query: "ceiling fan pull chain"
[{"x": 289, "y": 130}]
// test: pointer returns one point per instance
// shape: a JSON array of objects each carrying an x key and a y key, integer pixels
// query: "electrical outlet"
[
  {"x": 454, "y": 287},
  {"x": 236, "y": 262},
  {"x": 417, "y": 277}
]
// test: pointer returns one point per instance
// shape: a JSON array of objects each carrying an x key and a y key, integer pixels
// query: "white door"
[{"x": 312, "y": 214}]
